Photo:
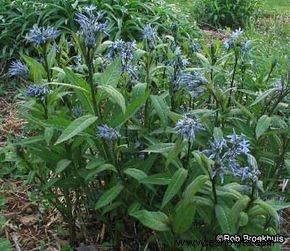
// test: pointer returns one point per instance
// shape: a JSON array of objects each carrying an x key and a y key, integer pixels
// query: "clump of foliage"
[
  {"x": 126, "y": 18},
  {"x": 138, "y": 135},
  {"x": 226, "y": 13}
]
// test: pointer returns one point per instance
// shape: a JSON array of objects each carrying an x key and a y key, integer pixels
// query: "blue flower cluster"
[
  {"x": 126, "y": 51},
  {"x": 236, "y": 41},
  {"x": 42, "y": 35},
  {"x": 77, "y": 111},
  {"x": 107, "y": 133},
  {"x": 192, "y": 82},
  {"x": 179, "y": 63},
  {"x": 18, "y": 69},
  {"x": 37, "y": 91},
  {"x": 226, "y": 155},
  {"x": 187, "y": 128},
  {"x": 91, "y": 25},
  {"x": 150, "y": 34}
]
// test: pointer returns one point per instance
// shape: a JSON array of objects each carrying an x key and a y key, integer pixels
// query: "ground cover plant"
[{"x": 144, "y": 135}]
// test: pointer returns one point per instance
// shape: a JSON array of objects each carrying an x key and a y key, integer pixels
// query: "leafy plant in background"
[
  {"x": 126, "y": 18},
  {"x": 226, "y": 13},
  {"x": 138, "y": 135}
]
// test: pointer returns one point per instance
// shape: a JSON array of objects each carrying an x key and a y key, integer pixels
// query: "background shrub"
[{"x": 225, "y": 13}]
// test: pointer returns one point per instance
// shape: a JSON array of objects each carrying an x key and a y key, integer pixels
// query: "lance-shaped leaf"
[
  {"x": 76, "y": 127},
  {"x": 130, "y": 111},
  {"x": 263, "y": 125},
  {"x": 160, "y": 148},
  {"x": 184, "y": 217},
  {"x": 161, "y": 108},
  {"x": 112, "y": 74},
  {"x": 225, "y": 219},
  {"x": 174, "y": 186},
  {"x": 109, "y": 196},
  {"x": 115, "y": 96},
  {"x": 154, "y": 220}
]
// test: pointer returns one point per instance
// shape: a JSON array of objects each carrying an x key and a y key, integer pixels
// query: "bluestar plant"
[
  {"x": 92, "y": 26},
  {"x": 18, "y": 69},
  {"x": 42, "y": 35},
  {"x": 37, "y": 91},
  {"x": 192, "y": 82},
  {"x": 225, "y": 154},
  {"x": 150, "y": 34},
  {"x": 107, "y": 133},
  {"x": 233, "y": 40},
  {"x": 187, "y": 128},
  {"x": 77, "y": 111},
  {"x": 125, "y": 50}
]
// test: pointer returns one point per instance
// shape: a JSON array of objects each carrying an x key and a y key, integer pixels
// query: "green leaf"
[
  {"x": 130, "y": 111},
  {"x": 269, "y": 209},
  {"x": 194, "y": 187},
  {"x": 263, "y": 125},
  {"x": 224, "y": 218},
  {"x": 262, "y": 96},
  {"x": 116, "y": 96},
  {"x": 62, "y": 165},
  {"x": 157, "y": 179},
  {"x": 48, "y": 134},
  {"x": 83, "y": 96},
  {"x": 99, "y": 169},
  {"x": 5, "y": 245},
  {"x": 243, "y": 219},
  {"x": 154, "y": 220},
  {"x": 76, "y": 127},
  {"x": 174, "y": 186},
  {"x": 112, "y": 74},
  {"x": 160, "y": 148},
  {"x": 184, "y": 217},
  {"x": 217, "y": 133},
  {"x": 109, "y": 196},
  {"x": 278, "y": 205},
  {"x": 35, "y": 68},
  {"x": 135, "y": 173},
  {"x": 161, "y": 108}
]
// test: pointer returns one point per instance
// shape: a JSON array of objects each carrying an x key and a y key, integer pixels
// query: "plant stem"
[
  {"x": 233, "y": 77},
  {"x": 213, "y": 180},
  {"x": 46, "y": 66},
  {"x": 188, "y": 154},
  {"x": 91, "y": 79}
]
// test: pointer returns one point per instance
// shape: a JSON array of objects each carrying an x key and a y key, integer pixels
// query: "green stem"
[
  {"x": 188, "y": 154},
  {"x": 233, "y": 78},
  {"x": 91, "y": 79},
  {"x": 213, "y": 180},
  {"x": 46, "y": 65}
]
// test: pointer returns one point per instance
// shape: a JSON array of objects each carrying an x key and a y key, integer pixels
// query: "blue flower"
[
  {"x": 108, "y": 133},
  {"x": 226, "y": 155},
  {"x": 126, "y": 51},
  {"x": 37, "y": 91},
  {"x": 192, "y": 82},
  {"x": 237, "y": 33},
  {"x": 240, "y": 144},
  {"x": 18, "y": 69},
  {"x": 187, "y": 128},
  {"x": 77, "y": 111},
  {"x": 234, "y": 38},
  {"x": 150, "y": 33},
  {"x": 246, "y": 47},
  {"x": 195, "y": 47},
  {"x": 91, "y": 26},
  {"x": 42, "y": 35}
]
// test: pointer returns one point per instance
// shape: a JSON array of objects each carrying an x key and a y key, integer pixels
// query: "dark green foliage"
[{"x": 225, "y": 13}]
